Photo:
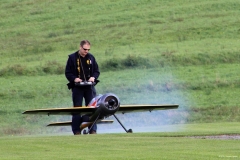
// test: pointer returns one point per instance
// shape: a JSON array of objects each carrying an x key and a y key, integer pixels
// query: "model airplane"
[{"x": 101, "y": 107}]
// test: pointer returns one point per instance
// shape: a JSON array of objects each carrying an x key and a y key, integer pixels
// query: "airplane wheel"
[
  {"x": 130, "y": 131},
  {"x": 84, "y": 132}
]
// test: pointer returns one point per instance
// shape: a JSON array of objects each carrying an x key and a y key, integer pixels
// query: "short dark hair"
[{"x": 84, "y": 42}]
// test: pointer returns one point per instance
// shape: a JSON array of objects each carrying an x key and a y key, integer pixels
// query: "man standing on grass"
[{"x": 81, "y": 66}]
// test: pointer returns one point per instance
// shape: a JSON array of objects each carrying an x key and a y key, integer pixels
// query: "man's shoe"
[
  {"x": 77, "y": 133},
  {"x": 93, "y": 132}
]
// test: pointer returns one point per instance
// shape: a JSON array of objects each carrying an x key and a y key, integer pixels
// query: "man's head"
[{"x": 84, "y": 47}]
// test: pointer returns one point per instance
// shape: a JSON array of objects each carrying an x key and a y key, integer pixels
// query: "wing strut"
[
  {"x": 86, "y": 132},
  {"x": 128, "y": 131}
]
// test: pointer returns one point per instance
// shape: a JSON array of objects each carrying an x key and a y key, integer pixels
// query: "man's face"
[{"x": 84, "y": 49}]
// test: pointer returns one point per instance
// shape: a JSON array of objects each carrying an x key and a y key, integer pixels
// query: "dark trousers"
[{"x": 78, "y": 93}]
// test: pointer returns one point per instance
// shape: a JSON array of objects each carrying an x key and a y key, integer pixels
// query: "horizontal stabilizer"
[{"x": 68, "y": 123}]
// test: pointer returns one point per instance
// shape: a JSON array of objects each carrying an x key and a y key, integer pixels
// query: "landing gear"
[
  {"x": 128, "y": 131},
  {"x": 87, "y": 132},
  {"x": 84, "y": 131}
]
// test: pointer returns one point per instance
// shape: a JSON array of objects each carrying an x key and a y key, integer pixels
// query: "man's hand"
[
  {"x": 91, "y": 79},
  {"x": 76, "y": 80}
]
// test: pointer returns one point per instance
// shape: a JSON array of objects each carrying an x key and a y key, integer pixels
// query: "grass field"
[
  {"x": 155, "y": 145},
  {"x": 148, "y": 51}
]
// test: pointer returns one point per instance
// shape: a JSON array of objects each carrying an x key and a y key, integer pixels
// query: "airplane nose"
[{"x": 111, "y": 102}]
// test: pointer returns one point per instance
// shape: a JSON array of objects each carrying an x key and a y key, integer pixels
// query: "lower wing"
[{"x": 68, "y": 123}]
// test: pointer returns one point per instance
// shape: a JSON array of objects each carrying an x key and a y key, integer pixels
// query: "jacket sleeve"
[
  {"x": 69, "y": 70},
  {"x": 95, "y": 69}
]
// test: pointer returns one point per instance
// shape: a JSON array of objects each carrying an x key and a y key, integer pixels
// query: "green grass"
[
  {"x": 39, "y": 33},
  {"x": 149, "y": 51},
  {"x": 155, "y": 145}
]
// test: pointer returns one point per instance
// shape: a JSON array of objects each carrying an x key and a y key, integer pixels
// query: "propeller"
[{"x": 111, "y": 102}]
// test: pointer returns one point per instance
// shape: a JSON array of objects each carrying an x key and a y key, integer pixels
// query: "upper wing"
[
  {"x": 61, "y": 111},
  {"x": 86, "y": 110},
  {"x": 137, "y": 108}
]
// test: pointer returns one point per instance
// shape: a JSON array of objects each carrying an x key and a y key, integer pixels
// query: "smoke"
[
  {"x": 153, "y": 88},
  {"x": 155, "y": 121}
]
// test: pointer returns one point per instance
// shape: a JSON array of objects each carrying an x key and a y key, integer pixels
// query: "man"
[{"x": 81, "y": 66}]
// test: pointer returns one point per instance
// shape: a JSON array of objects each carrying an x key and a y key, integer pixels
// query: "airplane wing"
[
  {"x": 68, "y": 123},
  {"x": 138, "y": 108},
  {"x": 85, "y": 110},
  {"x": 61, "y": 111}
]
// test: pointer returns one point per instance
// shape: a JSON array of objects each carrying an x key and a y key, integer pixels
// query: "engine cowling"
[{"x": 108, "y": 104}]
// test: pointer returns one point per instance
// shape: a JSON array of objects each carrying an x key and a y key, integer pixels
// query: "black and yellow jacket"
[{"x": 71, "y": 71}]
